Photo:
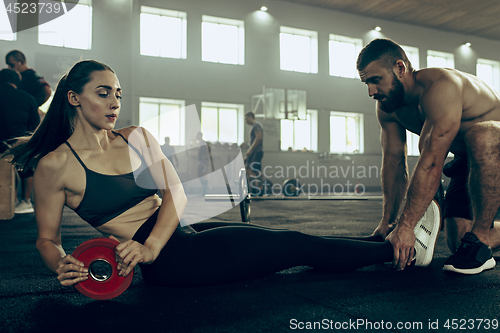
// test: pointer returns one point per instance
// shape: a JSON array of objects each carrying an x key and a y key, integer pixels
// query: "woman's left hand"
[{"x": 130, "y": 253}]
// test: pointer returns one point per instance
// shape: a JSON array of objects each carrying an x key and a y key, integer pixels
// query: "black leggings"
[{"x": 210, "y": 253}]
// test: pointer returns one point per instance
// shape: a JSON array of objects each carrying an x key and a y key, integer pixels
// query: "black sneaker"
[{"x": 472, "y": 257}]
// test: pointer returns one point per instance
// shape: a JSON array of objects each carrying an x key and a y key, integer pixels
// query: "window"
[
  {"x": 298, "y": 50},
  {"x": 7, "y": 32},
  {"x": 73, "y": 29},
  {"x": 163, "y": 117},
  {"x": 223, "y": 40},
  {"x": 222, "y": 122},
  {"x": 440, "y": 59},
  {"x": 412, "y": 140},
  {"x": 300, "y": 134},
  {"x": 412, "y": 54},
  {"x": 346, "y": 132},
  {"x": 343, "y": 54},
  {"x": 489, "y": 72},
  {"x": 163, "y": 33}
]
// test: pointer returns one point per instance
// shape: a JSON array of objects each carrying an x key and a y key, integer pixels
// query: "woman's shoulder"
[
  {"x": 126, "y": 131},
  {"x": 55, "y": 160}
]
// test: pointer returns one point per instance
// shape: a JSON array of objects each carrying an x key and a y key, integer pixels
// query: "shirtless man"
[{"x": 451, "y": 111}]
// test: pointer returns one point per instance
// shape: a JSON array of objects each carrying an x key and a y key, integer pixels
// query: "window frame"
[
  {"x": 358, "y": 43},
  {"x": 166, "y": 13},
  {"x": 87, "y": 3},
  {"x": 225, "y": 21},
  {"x": 312, "y": 116},
  {"x": 182, "y": 116},
  {"x": 450, "y": 58},
  {"x": 412, "y": 53},
  {"x": 360, "y": 130},
  {"x": 313, "y": 35},
  {"x": 496, "y": 71},
  {"x": 240, "y": 118}
]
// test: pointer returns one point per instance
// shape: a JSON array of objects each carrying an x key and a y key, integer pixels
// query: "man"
[
  {"x": 31, "y": 82},
  {"x": 18, "y": 116},
  {"x": 169, "y": 152},
  {"x": 452, "y": 111},
  {"x": 253, "y": 157}
]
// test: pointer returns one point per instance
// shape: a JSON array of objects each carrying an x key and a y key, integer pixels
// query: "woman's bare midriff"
[{"x": 126, "y": 224}]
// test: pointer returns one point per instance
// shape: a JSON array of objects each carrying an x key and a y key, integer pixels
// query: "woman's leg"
[
  {"x": 202, "y": 226},
  {"x": 234, "y": 253}
]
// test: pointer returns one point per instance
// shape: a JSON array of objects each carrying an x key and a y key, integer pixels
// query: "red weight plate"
[{"x": 101, "y": 248}]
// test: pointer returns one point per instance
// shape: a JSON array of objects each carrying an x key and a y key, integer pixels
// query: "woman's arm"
[
  {"x": 49, "y": 203},
  {"x": 174, "y": 202}
]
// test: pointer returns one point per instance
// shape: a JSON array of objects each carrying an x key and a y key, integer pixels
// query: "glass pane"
[
  {"x": 148, "y": 118},
  {"x": 5, "y": 28},
  {"x": 209, "y": 124},
  {"x": 485, "y": 73},
  {"x": 412, "y": 143},
  {"x": 78, "y": 27},
  {"x": 52, "y": 32},
  {"x": 352, "y": 135},
  {"x": 228, "y": 125},
  {"x": 338, "y": 134},
  {"x": 171, "y": 33},
  {"x": 303, "y": 134},
  {"x": 170, "y": 123},
  {"x": 210, "y": 42},
  {"x": 286, "y": 134},
  {"x": 302, "y": 54},
  {"x": 149, "y": 32},
  {"x": 436, "y": 62},
  {"x": 286, "y": 52},
  {"x": 342, "y": 59},
  {"x": 228, "y": 44}
]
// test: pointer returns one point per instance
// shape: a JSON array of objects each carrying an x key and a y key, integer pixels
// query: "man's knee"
[{"x": 482, "y": 136}]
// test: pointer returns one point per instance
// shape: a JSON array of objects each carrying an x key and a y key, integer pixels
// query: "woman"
[{"x": 81, "y": 162}]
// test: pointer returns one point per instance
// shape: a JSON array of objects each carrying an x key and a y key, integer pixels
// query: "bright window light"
[
  {"x": 346, "y": 132},
  {"x": 412, "y": 140},
  {"x": 298, "y": 50},
  {"x": 343, "y": 54},
  {"x": 440, "y": 59},
  {"x": 300, "y": 134},
  {"x": 72, "y": 30},
  {"x": 163, "y": 33},
  {"x": 163, "y": 117},
  {"x": 223, "y": 40},
  {"x": 489, "y": 72},
  {"x": 222, "y": 122},
  {"x": 6, "y": 32},
  {"x": 412, "y": 54}
]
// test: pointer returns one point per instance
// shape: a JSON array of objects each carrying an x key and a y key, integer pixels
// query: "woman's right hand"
[{"x": 71, "y": 271}]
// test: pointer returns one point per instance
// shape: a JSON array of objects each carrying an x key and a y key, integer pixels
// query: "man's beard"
[{"x": 395, "y": 99}]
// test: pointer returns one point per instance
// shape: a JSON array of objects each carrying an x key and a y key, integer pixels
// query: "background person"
[
  {"x": 169, "y": 152},
  {"x": 18, "y": 117},
  {"x": 31, "y": 82},
  {"x": 253, "y": 157}
]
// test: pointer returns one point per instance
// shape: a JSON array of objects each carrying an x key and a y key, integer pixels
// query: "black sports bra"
[{"x": 107, "y": 196}]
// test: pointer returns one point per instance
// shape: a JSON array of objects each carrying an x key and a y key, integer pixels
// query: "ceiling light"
[
  {"x": 377, "y": 29},
  {"x": 468, "y": 44},
  {"x": 263, "y": 8}
]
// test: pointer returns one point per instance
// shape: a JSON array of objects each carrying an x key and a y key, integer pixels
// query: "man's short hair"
[
  {"x": 8, "y": 76},
  {"x": 250, "y": 114},
  {"x": 384, "y": 50},
  {"x": 17, "y": 55}
]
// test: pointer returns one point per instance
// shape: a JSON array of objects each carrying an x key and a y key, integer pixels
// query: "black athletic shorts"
[{"x": 457, "y": 199}]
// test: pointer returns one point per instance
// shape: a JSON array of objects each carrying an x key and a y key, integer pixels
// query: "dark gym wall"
[{"x": 115, "y": 41}]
